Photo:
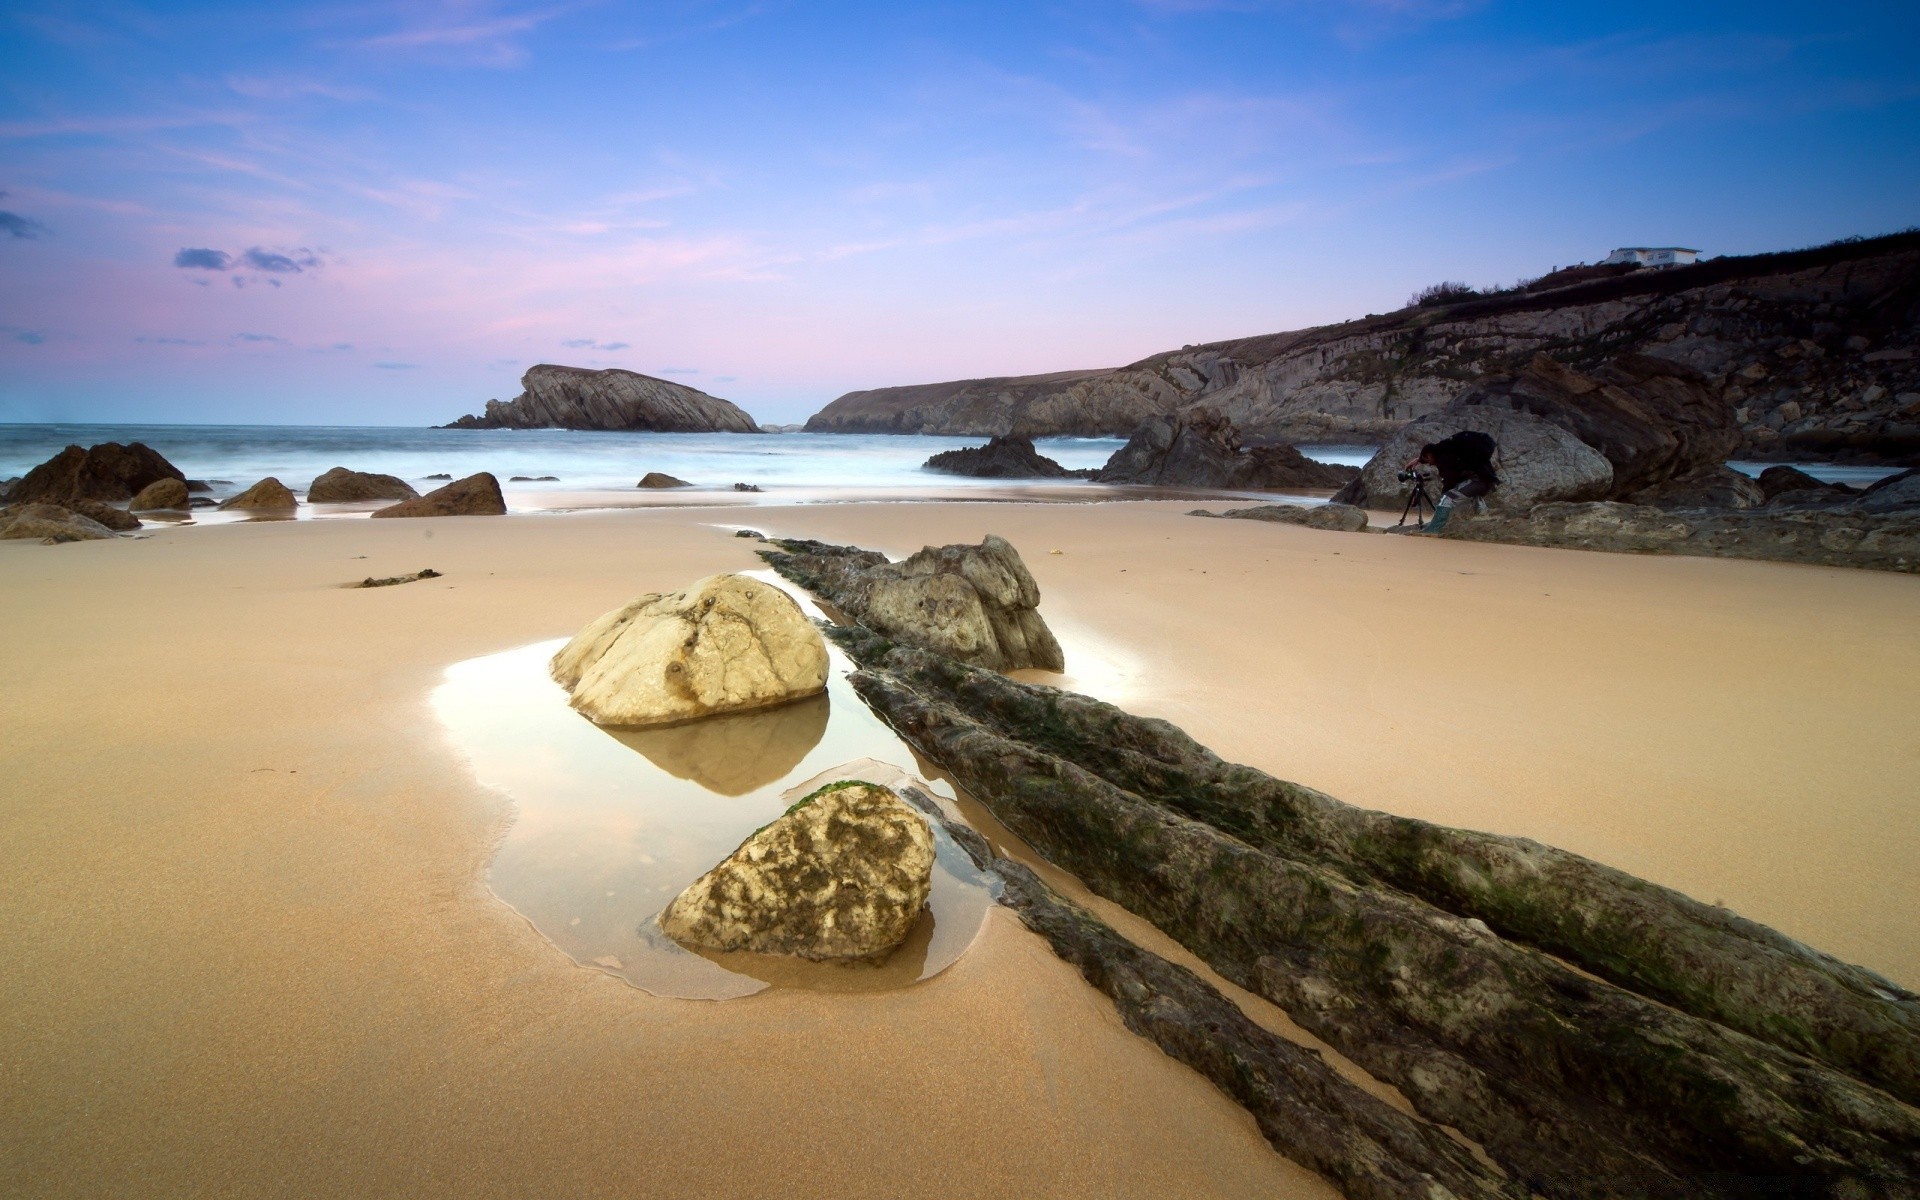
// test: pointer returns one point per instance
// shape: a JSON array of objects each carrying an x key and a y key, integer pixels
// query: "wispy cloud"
[
  {"x": 284, "y": 88},
  {"x": 471, "y": 32},
  {"x": 397, "y": 366},
  {"x": 590, "y": 344},
  {"x": 13, "y": 225}
]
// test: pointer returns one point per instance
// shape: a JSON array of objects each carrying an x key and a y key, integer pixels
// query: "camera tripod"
[{"x": 1419, "y": 505}]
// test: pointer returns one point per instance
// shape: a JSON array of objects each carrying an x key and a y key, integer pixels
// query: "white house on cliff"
[{"x": 1652, "y": 256}]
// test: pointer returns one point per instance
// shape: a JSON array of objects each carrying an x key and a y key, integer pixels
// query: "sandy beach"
[{"x": 251, "y": 949}]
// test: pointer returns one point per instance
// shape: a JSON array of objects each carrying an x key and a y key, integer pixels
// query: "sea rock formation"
[
  {"x": 1819, "y": 351},
  {"x": 1200, "y": 448},
  {"x": 161, "y": 494},
  {"x": 1005, "y": 456},
  {"x": 1781, "y": 480},
  {"x": 660, "y": 479},
  {"x": 1896, "y": 493},
  {"x": 843, "y": 874},
  {"x": 340, "y": 486},
  {"x": 555, "y": 397},
  {"x": 49, "y": 523},
  {"x": 1343, "y": 518},
  {"x": 108, "y": 471},
  {"x": 475, "y": 496},
  {"x": 1652, "y": 418},
  {"x": 269, "y": 495},
  {"x": 1847, "y": 535},
  {"x": 977, "y": 604},
  {"x": 1538, "y": 461},
  {"x": 727, "y": 643}
]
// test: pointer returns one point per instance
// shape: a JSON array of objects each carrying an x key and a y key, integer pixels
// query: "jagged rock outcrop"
[
  {"x": 1538, "y": 461},
  {"x": 1007, "y": 456},
  {"x": 556, "y": 397},
  {"x": 843, "y": 874},
  {"x": 977, "y": 604},
  {"x": 1781, "y": 480},
  {"x": 1708, "y": 487},
  {"x": 108, "y": 471},
  {"x": 269, "y": 495},
  {"x": 727, "y": 643},
  {"x": 340, "y": 486},
  {"x": 1845, "y": 535},
  {"x": 1200, "y": 448},
  {"x": 49, "y": 523},
  {"x": 475, "y": 496},
  {"x": 1819, "y": 350},
  {"x": 162, "y": 494},
  {"x": 1342, "y": 518}
]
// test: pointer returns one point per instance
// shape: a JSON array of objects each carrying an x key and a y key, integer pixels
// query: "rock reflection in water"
[
  {"x": 608, "y": 829},
  {"x": 738, "y": 752}
]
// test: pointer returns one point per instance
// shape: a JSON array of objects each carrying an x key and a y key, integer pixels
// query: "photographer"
[{"x": 1464, "y": 463}]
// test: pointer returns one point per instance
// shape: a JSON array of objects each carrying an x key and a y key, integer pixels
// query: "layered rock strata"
[
  {"x": 1660, "y": 1047},
  {"x": 727, "y": 643},
  {"x": 978, "y": 604},
  {"x": 1819, "y": 352},
  {"x": 556, "y": 397}
]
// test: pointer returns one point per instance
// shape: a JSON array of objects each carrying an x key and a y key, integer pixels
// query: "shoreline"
[{"x": 254, "y": 947}]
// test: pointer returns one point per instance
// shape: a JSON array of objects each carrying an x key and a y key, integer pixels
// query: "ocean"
[{"x": 785, "y": 466}]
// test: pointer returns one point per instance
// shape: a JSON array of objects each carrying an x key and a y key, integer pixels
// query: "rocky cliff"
[
  {"x": 1817, "y": 350},
  {"x": 555, "y": 397}
]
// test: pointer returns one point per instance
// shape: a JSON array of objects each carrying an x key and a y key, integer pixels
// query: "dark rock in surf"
[
  {"x": 475, "y": 496},
  {"x": 1008, "y": 456}
]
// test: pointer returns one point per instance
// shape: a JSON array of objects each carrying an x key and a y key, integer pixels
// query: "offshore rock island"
[
  {"x": 557, "y": 397},
  {"x": 1812, "y": 348}
]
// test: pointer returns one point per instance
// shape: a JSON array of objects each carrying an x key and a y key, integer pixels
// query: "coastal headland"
[{"x": 254, "y": 950}]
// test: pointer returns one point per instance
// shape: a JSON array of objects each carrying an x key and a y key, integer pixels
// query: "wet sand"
[{"x": 250, "y": 949}]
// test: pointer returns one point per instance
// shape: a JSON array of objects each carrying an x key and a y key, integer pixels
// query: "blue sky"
[{"x": 382, "y": 213}]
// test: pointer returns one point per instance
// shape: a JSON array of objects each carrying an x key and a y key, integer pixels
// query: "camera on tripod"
[{"x": 1407, "y": 476}]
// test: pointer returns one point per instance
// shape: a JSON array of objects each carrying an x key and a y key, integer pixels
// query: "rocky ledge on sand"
[
  {"x": 52, "y": 523},
  {"x": 977, "y": 604},
  {"x": 1878, "y": 529},
  {"x": 475, "y": 496},
  {"x": 1200, "y": 448},
  {"x": 1006, "y": 456},
  {"x": 269, "y": 495},
  {"x": 108, "y": 471},
  {"x": 341, "y": 486},
  {"x": 1589, "y": 1031},
  {"x": 843, "y": 874},
  {"x": 728, "y": 643},
  {"x": 556, "y": 397},
  {"x": 1342, "y": 518}
]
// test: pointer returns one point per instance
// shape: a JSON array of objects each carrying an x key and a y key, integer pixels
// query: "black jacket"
[{"x": 1466, "y": 455}]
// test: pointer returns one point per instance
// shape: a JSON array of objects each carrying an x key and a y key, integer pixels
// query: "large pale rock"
[
  {"x": 843, "y": 874},
  {"x": 726, "y": 644},
  {"x": 555, "y": 397},
  {"x": 269, "y": 495},
  {"x": 475, "y": 496},
  {"x": 49, "y": 522},
  {"x": 978, "y": 604},
  {"x": 339, "y": 486},
  {"x": 162, "y": 494},
  {"x": 108, "y": 471},
  {"x": 1201, "y": 448},
  {"x": 1538, "y": 461}
]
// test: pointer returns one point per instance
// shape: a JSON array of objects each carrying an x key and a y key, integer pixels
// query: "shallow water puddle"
[{"x": 611, "y": 825}]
